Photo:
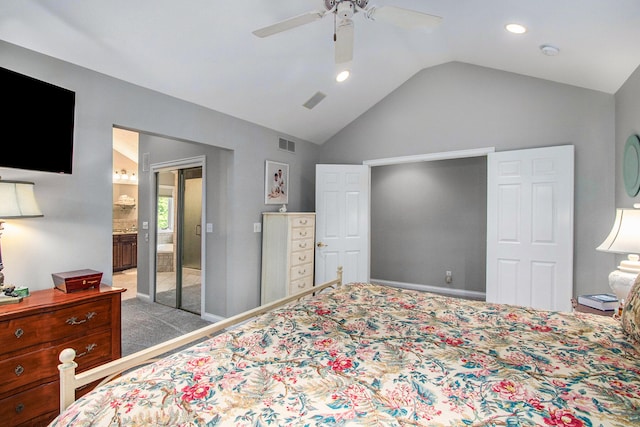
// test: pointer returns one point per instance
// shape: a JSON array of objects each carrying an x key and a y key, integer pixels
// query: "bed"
[{"x": 366, "y": 354}]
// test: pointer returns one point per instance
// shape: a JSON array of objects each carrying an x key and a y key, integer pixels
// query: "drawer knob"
[
  {"x": 19, "y": 408},
  {"x": 75, "y": 321},
  {"x": 19, "y": 332},
  {"x": 19, "y": 370}
]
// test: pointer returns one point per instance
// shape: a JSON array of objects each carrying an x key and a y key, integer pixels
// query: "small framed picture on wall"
[{"x": 276, "y": 183}]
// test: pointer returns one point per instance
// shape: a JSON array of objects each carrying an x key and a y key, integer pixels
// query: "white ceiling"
[{"x": 204, "y": 51}]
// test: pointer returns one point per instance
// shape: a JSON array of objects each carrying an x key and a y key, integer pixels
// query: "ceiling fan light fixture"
[
  {"x": 516, "y": 28},
  {"x": 343, "y": 75}
]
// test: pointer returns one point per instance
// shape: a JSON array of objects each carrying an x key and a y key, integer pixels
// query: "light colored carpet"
[{"x": 146, "y": 324}]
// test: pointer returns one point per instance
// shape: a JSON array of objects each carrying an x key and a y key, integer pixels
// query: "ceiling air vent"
[
  {"x": 286, "y": 145},
  {"x": 314, "y": 100}
]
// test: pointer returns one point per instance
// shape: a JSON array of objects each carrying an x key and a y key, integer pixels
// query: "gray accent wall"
[
  {"x": 427, "y": 218},
  {"x": 458, "y": 106}
]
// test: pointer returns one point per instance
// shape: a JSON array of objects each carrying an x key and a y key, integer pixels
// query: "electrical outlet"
[{"x": 448, "y": 277}]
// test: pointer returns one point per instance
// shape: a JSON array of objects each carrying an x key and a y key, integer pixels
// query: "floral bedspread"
[{"x": 371, "y": 355}]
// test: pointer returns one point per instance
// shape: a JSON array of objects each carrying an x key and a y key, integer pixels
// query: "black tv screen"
[{"x": 37, "y": 124}]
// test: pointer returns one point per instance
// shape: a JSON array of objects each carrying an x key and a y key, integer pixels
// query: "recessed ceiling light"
[
  {"x": 516, "y": 28},
  {"x": 342, "y": 76}
]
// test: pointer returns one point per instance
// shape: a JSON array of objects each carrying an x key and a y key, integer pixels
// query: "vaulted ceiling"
[{"x": 204, "y": 51}]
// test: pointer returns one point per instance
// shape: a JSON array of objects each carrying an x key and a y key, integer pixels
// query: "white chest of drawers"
[{"x": 288, "y": 241}]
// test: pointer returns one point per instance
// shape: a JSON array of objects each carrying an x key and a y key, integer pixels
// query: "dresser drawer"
[
  {"x": 25, "y": 331},
  {"x": 303, "y": 257},
  {"x": 301, "y": 245},
  {"x": 300, "y": 285},
  {"x": 300, "y": 271},
  {"x": 30, "y": 404},
  {"x": 303, "y": 221},
  {"x": 301, "y": 233},
  {"x": 27, "y": 368}
]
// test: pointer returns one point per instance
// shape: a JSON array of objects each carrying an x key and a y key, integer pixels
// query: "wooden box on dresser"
[
  {"x": 288, "y": 240},
  {"x": 32, "y": 334}
]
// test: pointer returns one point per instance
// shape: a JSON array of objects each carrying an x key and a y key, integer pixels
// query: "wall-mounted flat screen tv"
[{"x": 37, "y": 124}]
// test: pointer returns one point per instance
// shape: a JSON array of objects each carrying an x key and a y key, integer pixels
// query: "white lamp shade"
[
  {"x": 624, "y": 237},
  {"x": 17, "y": 200}
]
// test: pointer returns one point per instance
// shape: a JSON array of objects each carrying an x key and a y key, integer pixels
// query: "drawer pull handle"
[
  {"x": 19, "y": 408},
  {"x": 19, "y": 332},
  {"x": 302, "y": 271},
  {"x": 301, "y": 285},
  {"x": 303, "y": 233},
  {"x": 74, "y": 320},
  {"x": 303, "y": 221},
  {"x": 302, "y": 258},
  {"x": 89, "y": 349},
  {"x": 302, "y": 245},
  {"x": 19, "y": 370}
]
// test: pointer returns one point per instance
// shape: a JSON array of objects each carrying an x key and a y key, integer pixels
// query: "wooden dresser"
[
  {"x": 33, "y": 333},
  {"x": 288, "y": 241}
]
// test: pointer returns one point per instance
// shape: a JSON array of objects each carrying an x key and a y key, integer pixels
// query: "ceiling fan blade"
[
  {"x": 404, "y": 18},
  {"x": 344, "y": 41},
  {"x": 289, "y": 24}
]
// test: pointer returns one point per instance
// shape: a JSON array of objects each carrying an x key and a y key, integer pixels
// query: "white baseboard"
[
  {"x": 460, "y": 293},
  {"x": 213, "y": 318}
]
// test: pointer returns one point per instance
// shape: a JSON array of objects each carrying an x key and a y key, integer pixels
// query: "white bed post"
[{"x": 67, "y": 377}]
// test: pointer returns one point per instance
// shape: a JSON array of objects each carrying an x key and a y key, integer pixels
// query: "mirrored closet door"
[{"x": 179, "y": 238}]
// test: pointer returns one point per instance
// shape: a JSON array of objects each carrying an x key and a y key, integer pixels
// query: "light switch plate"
[{"x": 257, "y": 227}]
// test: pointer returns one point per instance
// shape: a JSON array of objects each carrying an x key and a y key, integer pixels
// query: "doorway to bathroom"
[{"x": 178, "y": 236}]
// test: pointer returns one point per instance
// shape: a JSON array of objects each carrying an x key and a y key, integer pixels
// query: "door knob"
[{"x": 321, "y": 245}]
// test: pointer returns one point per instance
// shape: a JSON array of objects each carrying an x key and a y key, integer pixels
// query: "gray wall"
[
  {"x": 450, "y": 107},
  {"x": 627, "y": 123},
  {"x": 429, "y": 217},
  {"x": 75, "y": 232},
  {"x": 216, "y": 172},
  {"x": 457, "y": 106}
]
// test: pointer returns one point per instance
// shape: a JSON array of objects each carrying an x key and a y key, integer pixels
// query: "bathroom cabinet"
[{"x": 125, "y": 251}]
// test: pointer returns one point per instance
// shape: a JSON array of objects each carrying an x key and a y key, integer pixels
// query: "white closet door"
[
  {"x": 342, "y": 222},
  {"x": 530, "y": 227}
]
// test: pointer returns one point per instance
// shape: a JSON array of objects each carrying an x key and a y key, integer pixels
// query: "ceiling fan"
[{"x": 343, "y": 11}]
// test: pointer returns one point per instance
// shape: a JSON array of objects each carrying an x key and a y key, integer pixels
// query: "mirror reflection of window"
[{"x": 165, "y": 210}]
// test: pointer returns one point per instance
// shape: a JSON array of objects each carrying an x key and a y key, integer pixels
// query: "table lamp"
[
  {"x": 624, "y": 238},
  {"x": 17, "y": 200}
]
